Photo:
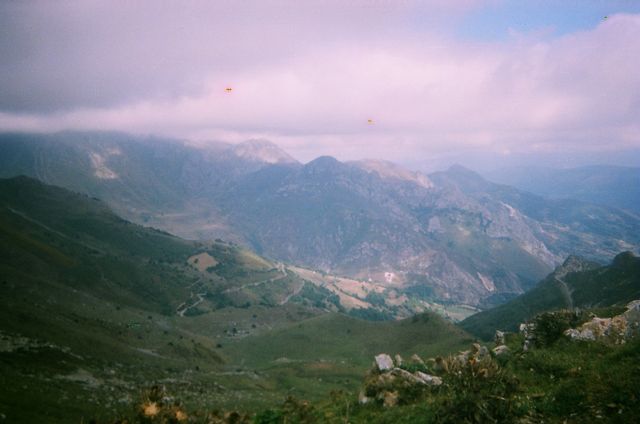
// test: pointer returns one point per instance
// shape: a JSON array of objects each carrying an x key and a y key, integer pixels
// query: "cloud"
[{"x": 310, "y": 77}]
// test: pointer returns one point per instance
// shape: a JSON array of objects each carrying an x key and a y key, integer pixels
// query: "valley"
[
  {"x": 448, "y": 238},
  {"x": 326, "y": 265},
  {"x": 319, "y": 212},
  {"x": 95, "y": 309}
]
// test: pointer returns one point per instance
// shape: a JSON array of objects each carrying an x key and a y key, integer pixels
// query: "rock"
[
  {"x": 403, "y": 374},
  {"x": 384, "y": 362},
  {"x": 616, "y": 330},
  {"x": 429, "y": 380},
  {"x": 363, "y": 399},
  {"x": 482, "y": 353},
  {"x": 463, "y": 357},
  {"x": 500, "y": 350},
  {"x": 499, "y": 338},
  {"x": 390, "y": 399},
  {"x": 632, "y": 316},
  {"x": 604, "y": 329},
  {"x": 398, "y": 360},
  {"x": 416, "y": 359},
  {"x": 407, "y": 378},
  {"x": 441, "y": 365},
  {"x": 527, "y": 331}
]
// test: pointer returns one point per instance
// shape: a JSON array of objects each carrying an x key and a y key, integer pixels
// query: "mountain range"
[
  {"x": 449, "y": 237},
  {"x": 616, "y": 186}
]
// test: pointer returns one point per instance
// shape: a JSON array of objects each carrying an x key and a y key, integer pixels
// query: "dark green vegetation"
[
  {"x": 466, "y": 240},
  {"x": 91, "y": 313},
  {"x": 575, "y": 284}
]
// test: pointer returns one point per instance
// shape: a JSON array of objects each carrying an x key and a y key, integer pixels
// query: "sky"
[{"x": 423, "y": 83}]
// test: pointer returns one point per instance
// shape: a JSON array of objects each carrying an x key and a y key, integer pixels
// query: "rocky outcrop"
[
  {"x": 615, "y": 330},
  {"x": 386, "y": 382},
  {"x": 528, "y": 331}
]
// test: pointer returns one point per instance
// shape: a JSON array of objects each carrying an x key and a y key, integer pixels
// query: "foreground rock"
[
  {"x": 387, "y": 380},
  {"x": 384, "y": 362},
  {"x": 615, "y": 330}
]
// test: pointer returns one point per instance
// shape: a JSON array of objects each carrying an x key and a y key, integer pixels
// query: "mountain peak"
[
  {"x": 323, "y": 162},
  {"x": 260, "y": 150},
  {"x": 458, "y": 169},
  {"x": 386, "y": 169},
  {"x": 624, "y": 259},
  {"x": 573, "y": 264}
]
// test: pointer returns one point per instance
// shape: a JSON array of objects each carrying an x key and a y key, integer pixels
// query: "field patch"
[{"x": 202, "y": 261}]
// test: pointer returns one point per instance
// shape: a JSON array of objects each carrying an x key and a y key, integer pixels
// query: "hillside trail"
[
  {"x": 566, "y": 293},
  {"x": 184, "y": 306},
  {"x": 281, "y": 268},
  {"x": 293, "y": 293}
]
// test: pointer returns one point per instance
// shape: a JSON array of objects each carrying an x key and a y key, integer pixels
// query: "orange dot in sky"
[{"x": 228, "y": 89}]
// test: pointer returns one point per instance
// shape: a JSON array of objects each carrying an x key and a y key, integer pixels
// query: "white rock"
[
  {"x": 429, "y": 380},
  {"x": 384, "y": 362},
  {"x": 398, "y": 360},
  {"x": 500, "y": 350}
]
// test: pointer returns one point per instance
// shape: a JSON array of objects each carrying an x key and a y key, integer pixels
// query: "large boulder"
[{"x": 384, "y": 362}]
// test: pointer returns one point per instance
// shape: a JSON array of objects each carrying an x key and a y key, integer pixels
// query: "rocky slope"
[{"x": 449, "y": 237}]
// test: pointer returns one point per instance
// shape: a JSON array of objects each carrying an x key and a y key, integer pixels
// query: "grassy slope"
[
  {"x": 565, "y": 382},
  {"x": 333, "y": 351},
  {"x": 87, "y": 313}
]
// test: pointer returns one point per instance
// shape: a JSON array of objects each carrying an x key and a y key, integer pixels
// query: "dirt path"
[
  {"x": 182, "y": 309},
  {"x": 293, "y": 293},
  {"x": 185, "y": 306},
  {"x": 258, "y": 283}
]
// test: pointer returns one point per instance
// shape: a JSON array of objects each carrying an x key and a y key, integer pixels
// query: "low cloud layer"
[{"x": 381, "y": 79}]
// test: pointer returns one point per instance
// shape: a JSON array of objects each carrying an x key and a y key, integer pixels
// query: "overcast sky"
[{"x": 416, "y": 82}]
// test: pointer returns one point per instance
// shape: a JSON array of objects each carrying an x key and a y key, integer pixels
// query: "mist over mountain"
[
  {"x": 615, "y": 186},
  {"x": 451, "y": 236},
  {"x": 319, "y": 212}
]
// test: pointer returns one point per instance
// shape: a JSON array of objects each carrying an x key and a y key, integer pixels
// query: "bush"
[
  {"x": 479, "y": 391},
  {"x": 550, "y": 326}
]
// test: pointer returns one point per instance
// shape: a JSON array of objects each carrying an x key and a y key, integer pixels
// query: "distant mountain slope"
[
  {"x": 162, "y": 182},
  {"x": 448, "y": 238},
  {"x": 575, "y": 284},
  {"x": 615, "y": 186}
]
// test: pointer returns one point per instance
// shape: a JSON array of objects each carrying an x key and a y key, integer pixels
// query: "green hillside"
[
  {"x": 575, "y": 284},
  {"x": 93, "y": 309}
]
